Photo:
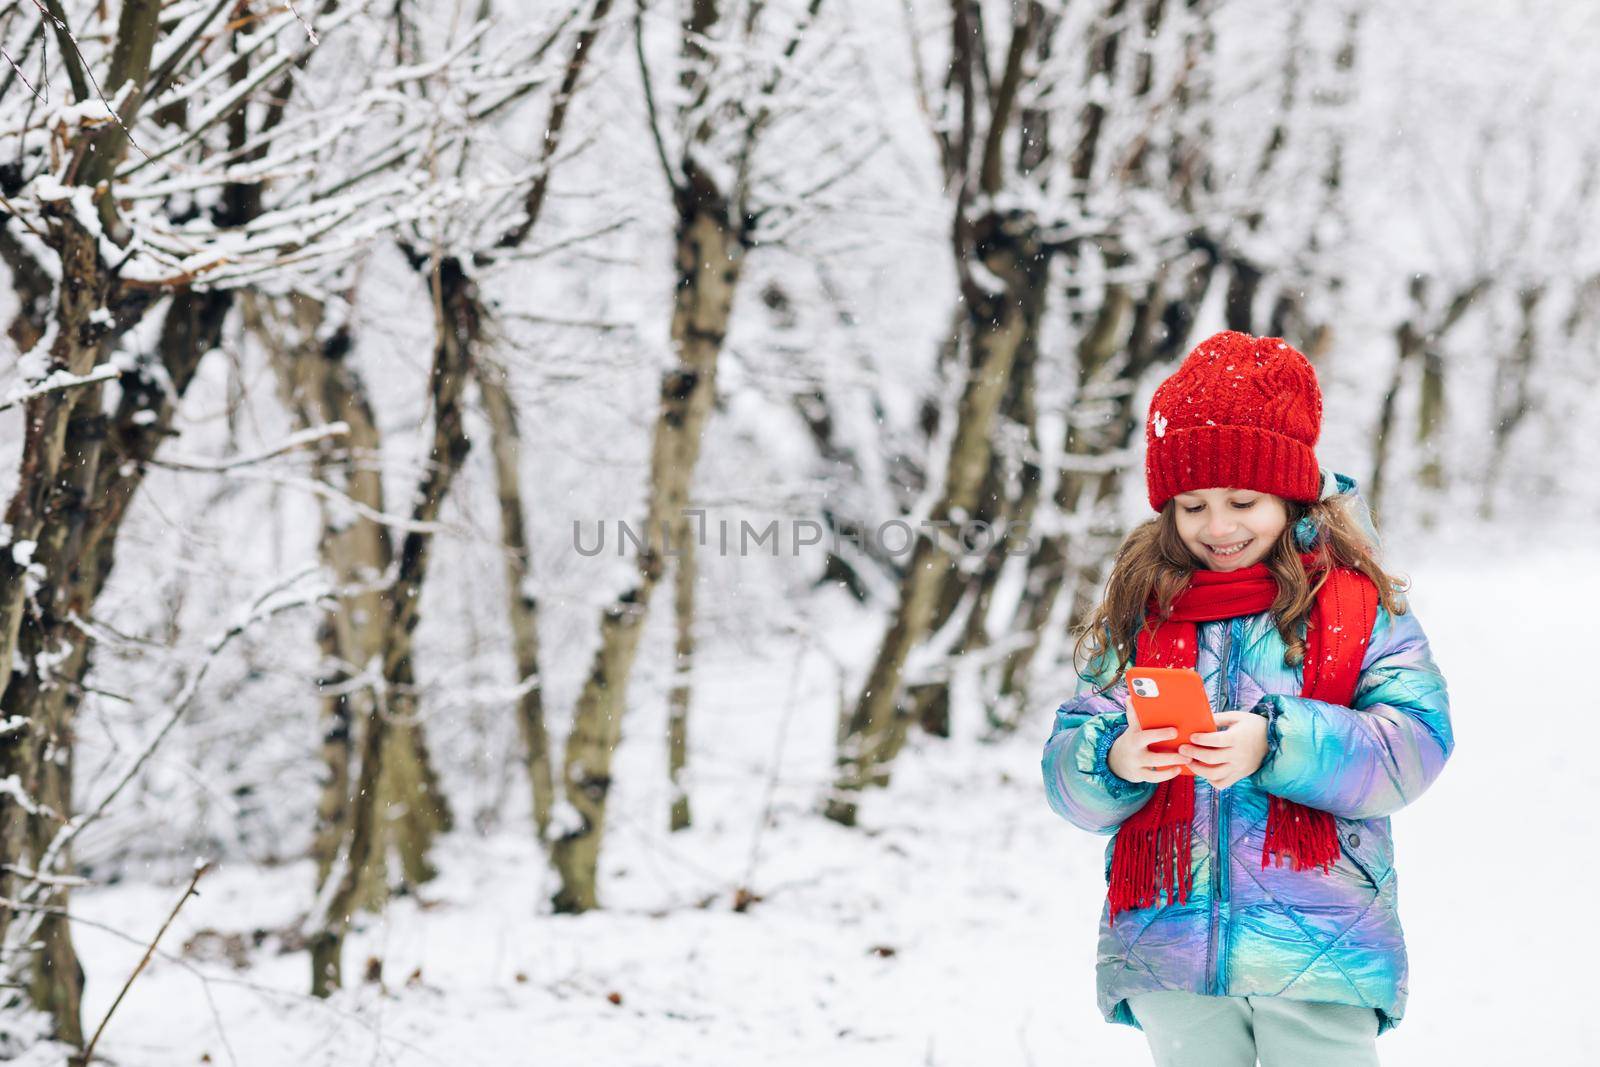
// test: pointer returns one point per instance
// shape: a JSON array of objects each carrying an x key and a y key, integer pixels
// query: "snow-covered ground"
[{"x": 955, "y": 927}]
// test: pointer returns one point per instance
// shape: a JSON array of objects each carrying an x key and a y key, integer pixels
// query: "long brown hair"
[{"x": 1153, "y": 561}]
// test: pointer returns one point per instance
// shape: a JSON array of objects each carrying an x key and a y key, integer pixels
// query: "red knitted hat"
[{"x": 1240, "y": 412}]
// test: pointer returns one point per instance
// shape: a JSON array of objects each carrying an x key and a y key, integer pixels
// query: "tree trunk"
[
  {"x": 1102, "y": 428},
  {"x": 505, "y": 440},
  {"x": 1430, "y": 420},
  {"x": 46, "y": 696},
  {"x": 1420, "y": 337},
  {"x": 997, "y": 323},
  {"x": 1408, "y": 344},
  {"x": 1088, "y": 420},
  {"x": 1513, "y": 393},
  {"x": 341, "y": 890},
  {"x": 710, "y": 252},
  {"x": 64, "y": 434},
  {"x": 397, "y": 766},
  {"x": 319, "y": 386},
  {"x": 34, "y": 513},
  {"x": 87, "y": 501},
  {"x": 1243, "y": 283},
  {"x": 1008, "y": 503},
  {"x": 682, "y": 666}
]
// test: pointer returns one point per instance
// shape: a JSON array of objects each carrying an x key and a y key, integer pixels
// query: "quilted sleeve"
[
  {"x": 1080, "y": 786},
  {"x": 1379, "y": 754}
]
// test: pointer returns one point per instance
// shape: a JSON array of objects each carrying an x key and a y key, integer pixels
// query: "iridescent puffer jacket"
[{"x": 1245, "y": 930}]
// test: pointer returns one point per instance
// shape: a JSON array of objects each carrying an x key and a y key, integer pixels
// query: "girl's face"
[{"x": 1227, "y": 529}]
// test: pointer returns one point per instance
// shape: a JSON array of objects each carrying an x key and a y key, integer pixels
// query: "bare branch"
[
  {"x": 77, "y": 72},
  {"x": 581, "y": 50},
  {"x": 293, "y": 442},
  {"x": 763, "y": 115},
  {"x": 1021, "y": 36},
  {"x": 667, "y": 169}
]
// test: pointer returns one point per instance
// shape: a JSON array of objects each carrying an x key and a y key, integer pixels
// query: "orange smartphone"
[{"x": 1168, "y": 696}]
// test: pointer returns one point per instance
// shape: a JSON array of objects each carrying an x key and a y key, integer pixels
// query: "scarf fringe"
[
  {"x": 1307, "y": 836},
  {"x": 1154, "y": 840}
]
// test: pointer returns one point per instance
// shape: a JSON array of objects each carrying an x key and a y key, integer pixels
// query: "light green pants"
[{"x": 1191, "y": 1030}]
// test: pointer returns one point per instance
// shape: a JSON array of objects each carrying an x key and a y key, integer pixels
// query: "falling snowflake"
[{"x": 1160, "y": 424}]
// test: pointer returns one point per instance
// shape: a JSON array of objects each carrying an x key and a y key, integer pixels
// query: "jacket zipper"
[{"x": 1219, "y": 861}]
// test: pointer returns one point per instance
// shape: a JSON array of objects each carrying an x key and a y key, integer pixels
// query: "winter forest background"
[{"x": 338, "y": 332}]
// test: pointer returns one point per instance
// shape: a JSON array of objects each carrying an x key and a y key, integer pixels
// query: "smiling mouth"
[{"x": 1229, "y": 551}]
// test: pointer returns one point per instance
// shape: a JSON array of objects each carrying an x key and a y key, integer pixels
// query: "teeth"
[{"x": 1233, "y": 551}]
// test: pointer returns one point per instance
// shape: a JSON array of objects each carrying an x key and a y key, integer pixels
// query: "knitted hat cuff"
[{"x": 1230, "y": 457}]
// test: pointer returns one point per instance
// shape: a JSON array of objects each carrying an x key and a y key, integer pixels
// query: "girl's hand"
[
  {"x": 1225, "y": 756},
  {"x": 1130, "y": 757}
]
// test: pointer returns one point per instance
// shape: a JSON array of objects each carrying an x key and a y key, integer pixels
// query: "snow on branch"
[
  {"x": 293, "y": 442},
  {"x": 57, "y": 381}
]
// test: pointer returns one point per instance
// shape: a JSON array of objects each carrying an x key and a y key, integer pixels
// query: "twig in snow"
[
  {"x": 744, "y": 895},
  {"x": 178, "y": 961},
  {"x": 88, "y": 1050}
]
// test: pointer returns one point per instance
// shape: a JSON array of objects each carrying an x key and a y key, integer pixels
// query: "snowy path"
[{"x": 987, "y": 901}]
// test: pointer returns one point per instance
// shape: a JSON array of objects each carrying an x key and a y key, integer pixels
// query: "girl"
[{"x": 1251, "y": 908}]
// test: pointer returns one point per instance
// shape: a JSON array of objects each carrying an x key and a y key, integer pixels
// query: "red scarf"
[{"x": 1155, "y": 839}]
